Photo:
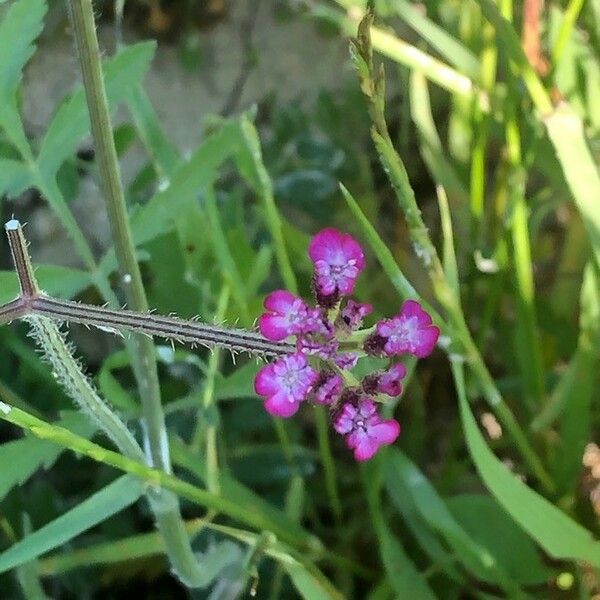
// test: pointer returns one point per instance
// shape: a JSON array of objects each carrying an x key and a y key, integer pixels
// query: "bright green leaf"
[{"x": 21, "y": 26}]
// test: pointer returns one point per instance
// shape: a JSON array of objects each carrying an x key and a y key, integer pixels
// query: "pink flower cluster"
[{"x": 318, "y": 371}]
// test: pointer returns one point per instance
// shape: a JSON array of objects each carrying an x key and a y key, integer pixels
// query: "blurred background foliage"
[{"x": 220, "y": 105}]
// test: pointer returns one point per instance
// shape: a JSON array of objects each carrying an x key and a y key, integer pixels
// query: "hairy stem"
[{"x": 68, "y": 373}]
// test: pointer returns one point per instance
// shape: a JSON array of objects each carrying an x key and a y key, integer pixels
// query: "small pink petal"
[
  {"x": 344, "y": 421},
  {"x": 265, "y": 382},
  {"x": 365, "y": 449},
  {"x": 427, "y": 342},
  {"x": 385, "y": 432},
  {"x": 281, "y": 406},
  {"x": 273, "y": 327},
  {"x": 279, "y": 301}
]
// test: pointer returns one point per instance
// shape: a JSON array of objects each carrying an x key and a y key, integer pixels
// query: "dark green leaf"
[{"x": 97, "y": 508}]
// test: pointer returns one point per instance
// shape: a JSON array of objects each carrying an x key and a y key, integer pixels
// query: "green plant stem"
[
  {"x": 531, "y": 360},
  {"x": 155, "y": 478},
  {"x": 511, "y": 42},
  {"x": 488, "y": 61},
  {"x": 328, "y": 463},
  {"x": 373, "y": 87},
  {"x": 144, "y": 362},
  {"x": 410, "y": 56},
  {"x": 68, "y": 372},
  {"x": 566, "y": 28},
  {"x": 206, "y": 425}
]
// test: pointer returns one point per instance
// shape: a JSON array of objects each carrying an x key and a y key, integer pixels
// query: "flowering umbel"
[{"x": 329, "y": 343}]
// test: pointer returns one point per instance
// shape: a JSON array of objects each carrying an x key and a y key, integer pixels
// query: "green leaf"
[
  {"x": 21, "y": 26},
  {"x": 71, "y": 121},
  {"x": 233, "y": 490},
  {"x": 557, "y": 534},
  {"x": 22, "y": 458},
  {"x": 435, "y": 156},
  {"x": 576, "y": 388},
  {"x": 308, "y": 584},
  {"x": 403, "y": 479},
  {"x": 124, "y": 549},
  {"x": 110, "y": 387},
  {"x": 62, "y": 282},
  {"x": 449, "y": 47},
  {"x": 164, "y": 155},
  {"x": 15, "y": 177},
  {"x": 237, "y": 385},
  {"x": 97, "y": 508},
  {"x": 566, "y": 132},
  {"x": 189, "y": 179},
  {"x": 250, "y": 163},
  {"x": 402, "y": 573},
  {"x": 489, "y": 526}
]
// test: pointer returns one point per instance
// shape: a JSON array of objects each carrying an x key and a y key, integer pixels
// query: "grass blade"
[
  {"x": 555, "y": 532},
  {"x": 97, "y": 508},
  {"x": 566, "y": 132}
]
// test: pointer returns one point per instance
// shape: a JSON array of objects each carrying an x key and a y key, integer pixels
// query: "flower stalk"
[{"x": 33, "y": 302}]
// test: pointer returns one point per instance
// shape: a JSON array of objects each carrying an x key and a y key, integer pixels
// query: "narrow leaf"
[
  {"x": 97, "y": 508},
  {"x": 557, "y": 534},
  {"x": 566, "y": 132},
  {"x": 22, "y": 458},
  {"x": 71, "y": 121}
]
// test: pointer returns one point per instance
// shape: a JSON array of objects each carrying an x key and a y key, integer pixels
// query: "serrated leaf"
[
  {"x": 71, "y": 121},
  {"x": 97, "y": 508},
  {"x": 21, "y": 26}
]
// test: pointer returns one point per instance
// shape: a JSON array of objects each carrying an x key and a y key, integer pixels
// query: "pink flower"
[
  {"x": 338, "y": 260},
  {"x": 312, "y": 346},
  {"x": 363, "y": 429},
  {"x": 390, "y": 381},
  {"x": 288, "y": 315},
  {"x": 328, "y": 388},
  {"x": 346, "y": 360},
  {"x": 353, "y": 313},
  {"x": 285, "y": 383},
  {"x": 411, "y": 331}
]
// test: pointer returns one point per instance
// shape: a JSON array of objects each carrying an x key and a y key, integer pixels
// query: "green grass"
[{"x": 485, "y": 209}]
